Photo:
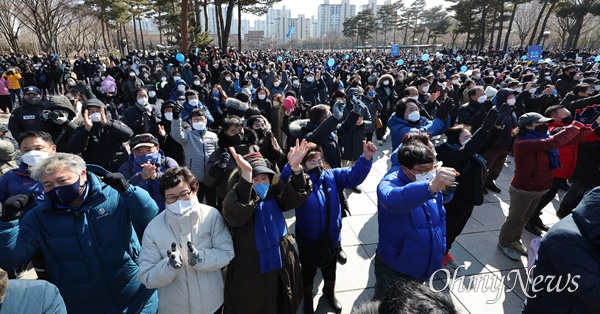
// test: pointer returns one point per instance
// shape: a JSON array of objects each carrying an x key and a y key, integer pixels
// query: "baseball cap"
[
  {"x": 532, "y": 117},
  {"x": 32, "y": 90},
  {"x": 144, "y": 139}
]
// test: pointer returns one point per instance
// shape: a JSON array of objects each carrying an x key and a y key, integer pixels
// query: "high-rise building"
[
  {"x": 371, "y": 6},
  {"x": 301, "y": 27},
  {"x": 275, "y": 24},
  {"x": 332, "y": 16}
]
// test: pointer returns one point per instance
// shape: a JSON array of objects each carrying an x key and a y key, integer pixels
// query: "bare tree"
[
  {"x": 332, "y": 37},
  {"x": 525, "y": 21},
  {"x": 75, "y": 34},
  {"x": 47, "y": 19},
  {"x": 9, "y": 24}
]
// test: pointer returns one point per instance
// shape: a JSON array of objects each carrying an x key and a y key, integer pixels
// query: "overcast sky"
[{"x": 310, "y": 7}]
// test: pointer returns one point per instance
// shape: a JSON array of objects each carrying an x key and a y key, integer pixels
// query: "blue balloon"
[
  {"x": 180, "y": 57},
  {"x": 463, "y": 68},
  {"x": 597, "y": 59},
  {"x": 458, "y": 58},
  {"x": 330, "y": 62},
  {"x": 347, "y": 57},
  {"x": 400, "y": 62},
  {"x": 279, "y": 58},
  {"x": 287, "y": 53},
  {"x": 425, "y": 57},
  {"x": 524, "y": 58}
]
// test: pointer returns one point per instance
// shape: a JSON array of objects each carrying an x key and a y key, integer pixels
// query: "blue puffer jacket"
[
  {"x": 133, "y": 174},
  {"x": 399, "y": 127},
  {"x": 187, "y": 108},
  {"x": 32, "y": 296},
  {"x": 310, "y": 217},
  {"x": 412, "y": 225},
  {"x": 91, "y": 254},
  {"x": 17, "y": 181}
]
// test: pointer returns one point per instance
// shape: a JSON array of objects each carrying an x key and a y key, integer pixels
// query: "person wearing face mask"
[
  {"x": 25, "y": 117},
  {"x": 186, "y": 73},
  {"x": 269, "y": 146},
  {"x": 311, "y": 84},
  {"x": 580, "y": 97},
  {"x": 80, "y": 208},
  {"x": 179, "y": 87},
  {"x": 427, "y": 100},
  {"x": 168, "y": 145},
  {"x": 412, "y": 199},
  {"x": 371, "y": 100},
  {"x": 476, "y": 77},
  {"x": 145, "y": 165},
  {"x": 568, "y": 155},
  {"x": 277, "y": 84},
  {"x": 255, "y": 80},
  {"x": 295, "y": 86},
  {"x": 197, "y": 243},
  {"x": 473, "y": 112},
  {"x": 192, "y": 102},
  {"x": 153, "y": 96},
  {"x": 462, "y": 152},
  {"x": 263, "y": 102},
  {"x": 216, "y": 69},
  {"x": 219, "y": 173},
  {"x": 311, "y": 216},
  {"x": 386, "y": 92},
  {"x": 536, "y": 157},
  {"x": 100, "y": 140},
  {"x": 265, "y": 258},
  {"x": 407, "y": 119},
  {"x": 143, "y": 117},
  {"x": 228, "y": 83},
  {"x": 198, "y": 144},
  {"x": 58, "y": 119},
  {"x": 566, "y": 81},
  {"x": 130, "y": 85}
]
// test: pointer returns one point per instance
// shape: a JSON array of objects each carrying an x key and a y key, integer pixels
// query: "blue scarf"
[
  {"x": 552, "y": 154},
  {"x": 269, "y": 228}
]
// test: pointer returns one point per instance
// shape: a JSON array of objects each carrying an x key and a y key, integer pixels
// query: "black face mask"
[
  {"x": 236, "y": 140},
  {"x": 260, "y": 133},
  {"x": 316, "y": 170},
  {"x": 542, "y": 128},
  {"x": 567, "y": 120}
]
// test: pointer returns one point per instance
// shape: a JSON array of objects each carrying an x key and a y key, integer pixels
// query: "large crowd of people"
[{"x": 157, "y": 182}]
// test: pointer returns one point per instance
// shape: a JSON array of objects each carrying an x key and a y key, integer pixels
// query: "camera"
[{"x": 51, "y": 114}]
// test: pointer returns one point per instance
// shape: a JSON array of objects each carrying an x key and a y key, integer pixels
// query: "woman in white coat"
[{"x": 185, "y": 249}]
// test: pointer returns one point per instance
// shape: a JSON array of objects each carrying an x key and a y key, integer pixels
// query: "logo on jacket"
[{"x": 102, "y": 213}]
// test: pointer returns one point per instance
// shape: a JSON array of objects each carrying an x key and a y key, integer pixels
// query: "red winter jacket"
[
  {"x": 532, "y": 164},
  {"x": 568, "y": 153}
]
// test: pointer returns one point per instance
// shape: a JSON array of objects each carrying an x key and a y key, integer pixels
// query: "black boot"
[
  {"x": 329, "y": 294},
  {"x": 308, "y": 302}
]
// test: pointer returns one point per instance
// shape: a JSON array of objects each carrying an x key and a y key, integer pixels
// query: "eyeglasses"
[
  {"x": 185, "y": 195},
  {"x": 434, "y": 166}
]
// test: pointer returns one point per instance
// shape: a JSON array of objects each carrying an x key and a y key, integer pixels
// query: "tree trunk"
[
  {"x": 406, "y": 31},
  {"x": 469, "y": 29},
  {"x": 510, "y": 23},
  {"x": 575, "y": 33},
  {"x": 239, "y": 26},
  {"x": 160, "y": 29},
  {"x": 135, "y": 36},
  {"x": 197, "y": 27},
  {"x": 104, "y": 35},
  {"x": 500, "y": 26},
  {"x": 227, "y": 30},
  {"x": 482, "y": 29},
  {"x": 205, "y": 9},
  {"x": 141, "y": 33},
  {"x": 543, "y": 28},
  {"x": 220, "y": 25},
  {"x": 126, "y": 48},
  {"x": 184, "y": 26},
  {"x": 493, "y": 31},
  {"x": 537, "y": 23},
  {"x": 119, "y": 41}
]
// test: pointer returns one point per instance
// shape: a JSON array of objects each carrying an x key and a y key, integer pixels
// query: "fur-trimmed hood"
[
  {"x": 236, "y": 107},
  {"x": 250, "y": 138},
  {"x": 386, "y": 77}
]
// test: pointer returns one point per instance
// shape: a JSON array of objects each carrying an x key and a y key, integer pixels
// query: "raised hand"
[
  {"x": 444, "y": 178},
  {"x": 161, "y": 131},
  {"x": 244, "y": 165},
  {"x": 490, "y": 119},
  {"x": 116, "y": 181},
  {"x": 174, "y": 256},
  {"x": 296, "y": 154},
  {"x": 87, "y": 121},
  {"x": 504, "y": 111},
  {"x": 369, "y": 150}
]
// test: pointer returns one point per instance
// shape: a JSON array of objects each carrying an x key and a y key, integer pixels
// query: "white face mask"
[
  {"x": 414, "y": 116},
  {"x": 254, "y": 75},
  {"x": 597, "y": 87},
  {"x": 465, "y": 142},
  {"x": 200, "y": 126},
  {"x": 518, "y": 90},
  {"x": 181, "y": 88},
  {"x": 548, "y": 77},
  {"x": 196, "y": 82},
  {"x": 426, "y": 89},
  {"x": 262, "y": 96},
  {"x": 482, "y": 99},
  {"x": 386, "y": 83},
  {"x": 180, "y": 206},
  {"x": 425, "y": 177},
  {"x": 532, "y": 90},
  {"x": 193, "y": 102},
  {"x": 142, "y": 101},
  {"x": 96, "y": 117},
  {"x": 276, "y": 84},
  {"x": 296, "y": 82},
  {"x": 168, "y": 116},
  {"x": 511, "y": 102},
  {"x": 454, "y": 81},
  {"x": 415, "y": 97},
  {"x": 34, "y": 157},
  {"x": 228, "y": 78},
  {"x": 176, "y": 78},
  {"x": 163, "y": 79},
  {"x": 309, "y": 78},
  {"x": 152, "y": 94}
]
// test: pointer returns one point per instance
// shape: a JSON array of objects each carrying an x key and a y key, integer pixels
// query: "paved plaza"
[{"x": 476, "y": 247}]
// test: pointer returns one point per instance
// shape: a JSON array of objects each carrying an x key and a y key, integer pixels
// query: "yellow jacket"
[{"x": 13, "y": 80}]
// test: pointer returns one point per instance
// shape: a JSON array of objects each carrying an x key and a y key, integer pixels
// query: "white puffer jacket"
[{"x": 197, "y": 289}]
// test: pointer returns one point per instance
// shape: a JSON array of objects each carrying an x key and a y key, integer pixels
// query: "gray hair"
[{"x": 71, "y": 162}]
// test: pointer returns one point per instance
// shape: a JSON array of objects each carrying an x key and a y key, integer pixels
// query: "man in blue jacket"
[
  {"x": 84, "y": 231},
  {"x": 412, "y": 219},
  {"x": 408, "y": 119},
  {"x": 29, "y": 296}
]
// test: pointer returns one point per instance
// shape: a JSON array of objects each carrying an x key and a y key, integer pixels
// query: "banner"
[
  {"x": 395, "y": 50},
  {"x": 534, "y": 53}
]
